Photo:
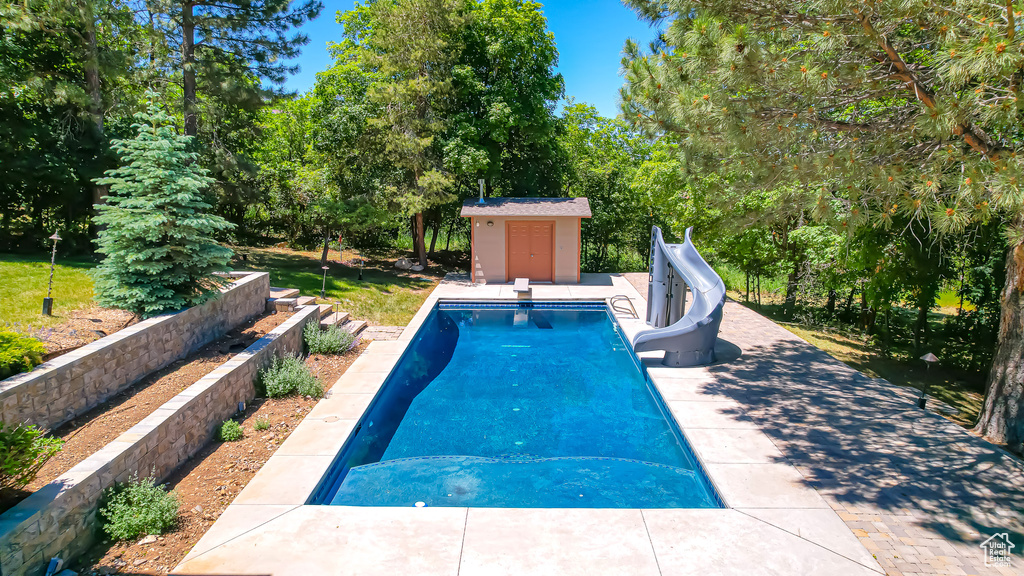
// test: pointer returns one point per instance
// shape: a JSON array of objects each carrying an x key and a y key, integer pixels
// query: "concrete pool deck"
[{"x": 792, "y": 439}]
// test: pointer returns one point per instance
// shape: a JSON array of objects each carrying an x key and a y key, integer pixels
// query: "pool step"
[
  {"x": 354, "y": 327},
  {"x": 276, "y": 293},
  {"x": 334, "y": 319},
  {"x": 305, "y": 301}
]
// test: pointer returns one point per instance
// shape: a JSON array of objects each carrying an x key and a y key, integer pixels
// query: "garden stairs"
[{"x": 287, "y": 299}]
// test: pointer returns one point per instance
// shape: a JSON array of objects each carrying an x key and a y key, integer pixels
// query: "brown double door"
[{"x": 530, "y": 250}]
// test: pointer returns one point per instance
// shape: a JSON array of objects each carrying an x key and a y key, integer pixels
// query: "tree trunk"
[
  {"x": 864, "y": 309},
  {"x": 830, "y": 306},
  {"x": 188, "y": 73},
  {"x": 433, "y": 234},
  {"x": 327, "y": 246},
  {"x": 791, "y": 286},
  {"x": 92, "y": 83},
  {"x": 747, "y": 274},
  {"x": 1002, "y": 418},
  {"x": 920, "y": 326},
  {"x": 418, "y": 239},
  {"x": 448, "y": 240}
]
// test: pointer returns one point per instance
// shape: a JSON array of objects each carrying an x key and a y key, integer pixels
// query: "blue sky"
[{"x": 589, "y": 36}]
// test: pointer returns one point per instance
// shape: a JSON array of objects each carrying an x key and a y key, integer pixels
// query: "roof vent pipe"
[{"x": 481, "y": 181}]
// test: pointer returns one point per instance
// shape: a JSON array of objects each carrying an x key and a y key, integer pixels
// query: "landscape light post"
[
  {"x": 48, "y": 301},
  {"x": 928, "y": 358},
  {"x": 323, "y": 287}
]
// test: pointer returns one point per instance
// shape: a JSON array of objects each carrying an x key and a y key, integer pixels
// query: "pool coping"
[{"x": 774, "y": 522}]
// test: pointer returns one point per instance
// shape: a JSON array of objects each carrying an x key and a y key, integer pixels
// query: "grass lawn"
[
  {"x": 23, "y": 282},
  {"x": 385, "y": 296}
]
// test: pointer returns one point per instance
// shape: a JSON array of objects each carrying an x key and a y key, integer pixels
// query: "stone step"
[
  {"x": 334, "y": 319},
  {"x": 354, "y": 327},
  {"x": 283, "y": 292},
  {"x": 280, "y": 304},
  {"x": 305, "y": 301},
  {"x": 325, "y": 309}
]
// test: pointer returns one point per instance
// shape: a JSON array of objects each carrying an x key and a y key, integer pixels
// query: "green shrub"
[
  {"x": 330, "y": 341},
  {"x": 19, "y": 354},
  {"x": 23, "y": 451},
  {"x": 229, "y": 431},
  {"x": 289, "y": 375},
  {"x": 262, "y": 424},
  {"x": 131, "y": 509}
]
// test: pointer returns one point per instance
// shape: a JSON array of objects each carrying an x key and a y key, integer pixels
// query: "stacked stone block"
[{"x": 78, "y": 381}]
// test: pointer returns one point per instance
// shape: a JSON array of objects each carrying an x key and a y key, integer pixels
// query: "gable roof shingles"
[{"x": 570, "y": 207}]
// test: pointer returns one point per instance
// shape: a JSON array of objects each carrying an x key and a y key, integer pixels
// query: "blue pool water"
[{"x": 519, "y": 407}]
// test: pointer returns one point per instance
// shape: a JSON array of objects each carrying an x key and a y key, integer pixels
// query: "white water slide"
[{"x": 687, "y": 336}]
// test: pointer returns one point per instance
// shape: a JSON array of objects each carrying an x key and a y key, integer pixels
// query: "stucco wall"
[
  {"x": 489, "y": 247},
  {"x": 60, "y": 519},
  {"x": 73, "y": 383}
]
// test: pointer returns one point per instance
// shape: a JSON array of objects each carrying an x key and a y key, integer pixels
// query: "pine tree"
[
  {"x": 414, "y": 44},
  {"x": 222, "y": 42},
  {"x": 903, "y": 114},
  {"x": 158, "y": 237}
]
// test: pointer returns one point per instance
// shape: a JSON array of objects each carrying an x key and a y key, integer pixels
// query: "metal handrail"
[{"x": 619, "y": 298}]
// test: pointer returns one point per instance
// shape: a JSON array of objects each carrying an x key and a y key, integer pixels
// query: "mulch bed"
[
  {"x": 84, "y": 326},
  {"x": 208, "y": 482}
]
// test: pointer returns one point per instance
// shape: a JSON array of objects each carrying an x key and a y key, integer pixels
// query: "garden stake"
[{"x": 48, "y": 301}]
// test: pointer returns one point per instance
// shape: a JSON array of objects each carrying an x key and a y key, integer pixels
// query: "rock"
[
  {"x": 417, "y": 268},
  {"x": 139, "y": 562},
  {"x": 403, "y": 264},
  {"x": 198, "y": 509},
  {"x": 147, "y": 540}
]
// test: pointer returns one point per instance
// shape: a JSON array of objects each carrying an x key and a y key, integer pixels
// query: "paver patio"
[{"x": 919, "y": 491}]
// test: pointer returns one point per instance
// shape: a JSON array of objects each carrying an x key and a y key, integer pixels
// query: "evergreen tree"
[
  {"x": 220, "y": 42},
  {"x": 414, "y": 44},
  {"x": 901, "y": 114},
  {"x": 158, "y": 237}
]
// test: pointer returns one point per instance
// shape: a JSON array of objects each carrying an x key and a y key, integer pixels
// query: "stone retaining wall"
[
  {"x": 60, "y": 519},
  {"x": 78, "y": 381}
]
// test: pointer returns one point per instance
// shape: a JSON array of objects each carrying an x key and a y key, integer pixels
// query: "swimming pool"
[{"x": 517, "y": 405}]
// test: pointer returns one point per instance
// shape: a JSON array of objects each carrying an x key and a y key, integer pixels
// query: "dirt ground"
[
  {"x": 83, "y": 327},
  {"x": 208, "y": 482},
  {"x": 86, "y": 434}
]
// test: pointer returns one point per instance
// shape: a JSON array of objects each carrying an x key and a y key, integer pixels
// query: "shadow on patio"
[{"x": 863, "y": 443}]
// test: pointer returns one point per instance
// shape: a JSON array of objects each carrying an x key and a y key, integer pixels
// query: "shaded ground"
[
  {"x": 949, "y": 386},
  {"x": 963, "y": 391},
  {"x": 919, "y": 491},
  {"x": 210, "y": 480}
]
